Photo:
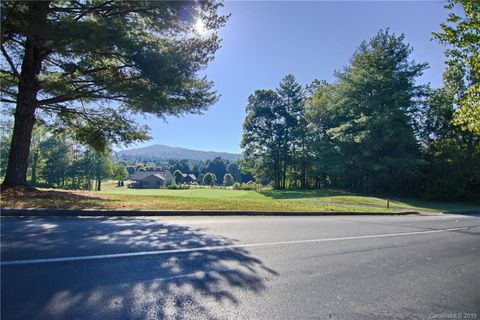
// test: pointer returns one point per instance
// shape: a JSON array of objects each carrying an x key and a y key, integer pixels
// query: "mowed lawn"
[{"x": 112, "y": 197}]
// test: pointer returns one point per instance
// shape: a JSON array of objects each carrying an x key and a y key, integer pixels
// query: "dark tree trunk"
[
  {"x": 28, "y": 87},
  {"x": 285, "y": 162},
  {"x": 303, "y": 179},
  {"x": 99, "y": 184},
  {"x": 16, "y": 174}
]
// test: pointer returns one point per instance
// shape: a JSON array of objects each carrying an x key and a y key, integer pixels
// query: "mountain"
[{"x": 165, "y": 152}]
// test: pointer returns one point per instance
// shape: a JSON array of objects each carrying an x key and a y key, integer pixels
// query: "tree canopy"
[
  {"x": 87, "y": 66},
  {"x": 209, "y": 179},
  {"x": 375, "y": 108},
  {"x": 461, "y": 33},
  {"x": 272, "y": 133}
]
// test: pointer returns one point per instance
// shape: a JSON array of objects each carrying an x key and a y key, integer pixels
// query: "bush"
[
  {"x": 246, "y": 186},
  {"x": 209, "y": 179},
  {"x": 228, "y": 180},
  {"x": 178, "y": 186},
  {"x": 178, "y": 176}
]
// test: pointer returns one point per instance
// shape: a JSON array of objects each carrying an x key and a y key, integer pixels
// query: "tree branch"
[
  {"x": 92, "y": 9},
  {"x": 10, "y": 62},
  {"x": 59, "y": 99},
  {"x": 8, "y": 100}
]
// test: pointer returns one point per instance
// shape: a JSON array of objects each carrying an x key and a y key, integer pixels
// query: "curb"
[{"x": 34, "y": 212}]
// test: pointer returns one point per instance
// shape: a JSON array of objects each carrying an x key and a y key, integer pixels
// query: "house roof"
[
  {"x": 190, "y": 175},
  {"x": 140, "y": 175}
]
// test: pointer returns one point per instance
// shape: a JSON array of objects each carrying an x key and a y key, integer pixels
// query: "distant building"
[
  {"x": 189, "y": 178},
  {"x": 150, "y": 179}
]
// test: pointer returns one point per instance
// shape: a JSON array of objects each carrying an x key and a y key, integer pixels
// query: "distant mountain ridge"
[{"x": 160, "y": 151}]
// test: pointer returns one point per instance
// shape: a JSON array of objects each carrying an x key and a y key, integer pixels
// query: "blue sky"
[{"x": 264, "y": 41}]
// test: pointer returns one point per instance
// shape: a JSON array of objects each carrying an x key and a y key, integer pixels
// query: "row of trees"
[
  {"x": 209, "y": 178},
  {"x": 56, "y": 160},
  {"x": 218, "y": 166},
  {"x": 372, "y": 130}
]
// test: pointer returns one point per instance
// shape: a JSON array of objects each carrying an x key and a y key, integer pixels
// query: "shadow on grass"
[
  {"x": 297, "y": 194},
  {"x": 364, "y": 199},
  {"x": 180, "y": 285},
  {"x": 53, "y": 199},
  {"x": 446, "y": 207}
]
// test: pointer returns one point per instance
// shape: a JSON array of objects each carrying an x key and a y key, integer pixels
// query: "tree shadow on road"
[{"x": 194, "y": 284}]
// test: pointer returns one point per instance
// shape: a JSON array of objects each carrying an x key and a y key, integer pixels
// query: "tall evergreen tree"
[
  {"x": 77, "y": 56},
  {"x": 375, "y": 134},
  {"x": 321, "y": 115},
  {"x": 292, "y": 97}
]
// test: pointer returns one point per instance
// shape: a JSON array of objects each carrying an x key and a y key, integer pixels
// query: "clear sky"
[{"x": 264, "y": 41}]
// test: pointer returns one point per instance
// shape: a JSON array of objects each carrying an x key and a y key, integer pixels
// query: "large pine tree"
[
  {"x": 377, "y": 97},
  {"x": 71, "y": 59},
  {"x": 292, "y": 98}
]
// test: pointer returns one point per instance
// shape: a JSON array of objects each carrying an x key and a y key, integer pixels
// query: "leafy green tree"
[
  {"x": 234, "y": 170},
  {"x": 76, "y": 57},
  {"x": 120, "y": 174},
  {"x": 217, "y": 166},
  {"x": 263, "y": 137},
  {"x": 376, "y": 99},
  {"x": 320, "y": 114},
  {"x": 461, "y": 33},
  {"x": 228, "y": 180},
  {"x": 274, "y": 134},
  {"x": 36, "y": 160},
  {"x": 181, "y": 165},
  {"x": 58, "y": 155},
  {"x": 103, "y": 167},
  {"x": 130, "y": 169},
  {"x": 178, "y": 176},
  {"x": 453, "y": 154},
  {"x": 209, "y": 179}
]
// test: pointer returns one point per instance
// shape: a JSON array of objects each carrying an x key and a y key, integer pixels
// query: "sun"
[{"x": 199, "y": 26}]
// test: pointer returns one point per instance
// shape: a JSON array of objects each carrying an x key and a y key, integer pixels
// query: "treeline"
[
  {"x": 374, "y": 129},
  {"x": 217, "y": 166},
  {"x": 59, "y": 161},
  {"x": 56, "y": 160}
]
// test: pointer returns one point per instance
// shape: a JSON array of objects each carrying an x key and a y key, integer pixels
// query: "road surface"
[{"x": 399, "y": 267}]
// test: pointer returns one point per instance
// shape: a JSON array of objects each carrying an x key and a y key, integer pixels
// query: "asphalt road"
[{"x": 400, "y": 267}]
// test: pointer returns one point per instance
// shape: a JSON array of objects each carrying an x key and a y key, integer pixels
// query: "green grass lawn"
[{"x": 112, "y": 197}]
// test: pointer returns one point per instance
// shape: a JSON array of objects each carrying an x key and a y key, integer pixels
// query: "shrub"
[
  {"x": 178, "y": 186},
  {"x": 246, "y": 186},
  {"x": 209, "y": 179},
  {"x": 228, "y": 180},
  {"x": 178, "y": 176}
]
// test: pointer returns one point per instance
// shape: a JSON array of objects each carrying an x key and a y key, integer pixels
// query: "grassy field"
[{"x": 112, "y": 197}]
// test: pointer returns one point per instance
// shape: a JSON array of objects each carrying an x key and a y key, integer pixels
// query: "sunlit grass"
[{"x": 112, "y": 197}]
